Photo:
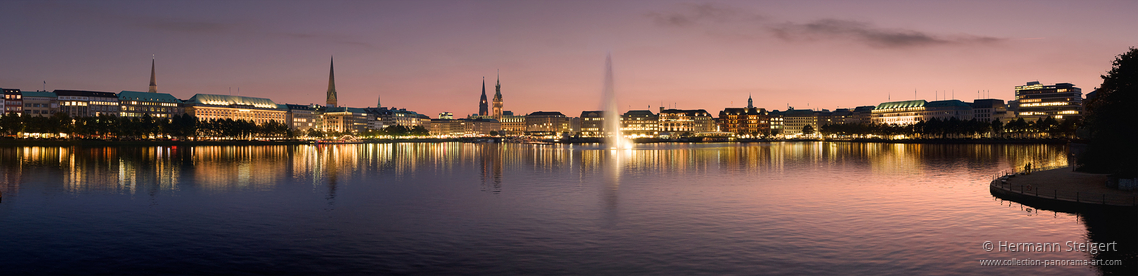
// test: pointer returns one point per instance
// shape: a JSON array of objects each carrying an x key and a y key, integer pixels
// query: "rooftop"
[{"x": 147, "y": 97}]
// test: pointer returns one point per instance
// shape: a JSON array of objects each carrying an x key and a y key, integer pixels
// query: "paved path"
[{"x": 1063, "y": 184}]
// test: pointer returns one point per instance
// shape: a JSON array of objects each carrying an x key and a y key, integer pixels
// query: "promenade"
[{"x": 1064, "y": 186}]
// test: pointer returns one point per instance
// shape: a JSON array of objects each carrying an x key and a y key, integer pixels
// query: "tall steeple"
[
  {"x": 332, "y": 83},
  {"x": 497, "y": 111},
  {"x": 378, "y": 101},
  {"x": 482, "y": 110},
  {"x": 749, "y": 103},
  {"x": 153, "y": 84}
]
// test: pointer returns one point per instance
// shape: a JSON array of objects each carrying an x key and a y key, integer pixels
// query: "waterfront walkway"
[{"x": 1065, "y": 186}]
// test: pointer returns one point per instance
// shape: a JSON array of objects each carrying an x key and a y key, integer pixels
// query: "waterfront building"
[
  {"x": 679, "y": 122},
  {"x": 331, "y": 94},
  {"x": 446, "y": 115},
  {"x": 482, "y": 127},
  {"x": 987, "y": 110},
  {"x": 840, "y": 116},
  {"x": 158, "y": 105},
  {"x": 301, "y": 118},
  {"x": 497, "y": 111},
  {"x": 446, "y": 127},
  {"x": 748, "y": 121},
  {"x": 1036, "y": 101},
  {"x": 482, "y": 109},
  {"x": 39, "y": 103},
  {"x": 345, "y": 119},
  {"x": 547, "y": 123},
  {"x": 13, "y": 101},
  {"x": 399, "y": 117},
  {"x": 793, "y": 120},
  {"x": 592, "y": 123},
  {"x": 638, "y": 124},
  {"x": 911, "y": 112},
  {"x": 511, "y": 124},
  {"x": 775, "y": 121},
  {"x": 77, "y": 103},
  {"x": 861, "y": 115},
  {"x": 221, "y": 107}
]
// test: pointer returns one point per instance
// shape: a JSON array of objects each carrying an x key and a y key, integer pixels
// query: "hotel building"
[
  {"x": 1036, "y": 101},
  {"x": 158, "y": 105},
  {"x": 256, "y": 110}
]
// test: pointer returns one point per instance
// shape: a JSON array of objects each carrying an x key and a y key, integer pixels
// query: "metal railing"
[{"x": 1001, "y": 182}]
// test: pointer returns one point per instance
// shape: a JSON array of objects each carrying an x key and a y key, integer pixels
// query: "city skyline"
[{"x": 706, "y": 55}]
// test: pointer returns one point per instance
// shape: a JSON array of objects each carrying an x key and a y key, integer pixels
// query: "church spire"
[
  {"x": 749, "y": 103},
  {"x": 153, "y": 84},
  {"x": 482, "y": 108},
  {"x": 332, "y": 83}
]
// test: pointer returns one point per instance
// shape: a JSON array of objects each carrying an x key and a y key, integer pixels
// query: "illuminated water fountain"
[{"x": 614, "y": 139}]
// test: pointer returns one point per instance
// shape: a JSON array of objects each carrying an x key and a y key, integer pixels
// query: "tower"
[
  {"x": 332, "y": 83},
  {"x": 153, "y": 84},
  {"x": 482, "y": 103},
  {"x": 378, "y": 101},
  {"x": 749, "y": 102},
  {"x": 498, "y": 98}
]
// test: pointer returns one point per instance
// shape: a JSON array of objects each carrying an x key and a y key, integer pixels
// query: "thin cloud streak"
[{"x": 717, "y": 17}]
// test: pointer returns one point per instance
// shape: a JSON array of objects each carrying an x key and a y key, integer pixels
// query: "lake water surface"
[{"x": 463, "y": 208}]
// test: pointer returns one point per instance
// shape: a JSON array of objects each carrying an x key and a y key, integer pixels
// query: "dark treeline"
[
  {"x": 109, "y": 127},
  {"x": 1111, "y": 122},
  {"x": 954, "y": 128}
]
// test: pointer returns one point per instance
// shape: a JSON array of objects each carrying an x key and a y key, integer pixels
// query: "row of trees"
[
  {"x": 1111, "y": 122},
  {"x": 955, "y": 128},
  {"x": 145, "y": 127}
]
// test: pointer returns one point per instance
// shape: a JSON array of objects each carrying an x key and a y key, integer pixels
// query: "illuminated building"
[
  {"x": 673, "y": 122},
  {"x": 39, "y": 103},
  {"x": 345, "y": 119},
  {"x": 547, "y": 123},
  {"x": 911, "y": 112},
  {"x": 988, "y": 110},
  {"x": 793, "y": 120},
  {"x": 256, "y": 110},
  {"x": 1036, "y": 101},
  {"x": 301, "y": 117},
  {"x": 861, "y": 115},
  {"x": 13, "y": 101},
  {"x": 593, "y": 123},
  {"x": 511, "y": 124},
  {"x": 638, "y": 124},
  {"x": 158, "y": 105},
  {"x": 745, "y": 121},
  {"x": 77, "y": 103}
]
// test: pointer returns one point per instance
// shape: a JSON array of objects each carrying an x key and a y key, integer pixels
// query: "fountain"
[{"x": 614, "y": 139}]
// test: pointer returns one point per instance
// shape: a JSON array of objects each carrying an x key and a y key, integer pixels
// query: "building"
[
  {"x": 748, "y": 121},
  {"x": 840, "y": 116},
  {"x": 158, "y": 105},
  {"x": 637, "y": 124},
  {"x": 547, "y": 123},
  {"x": 482, "y": 127},
  {"x": 39, "y": 103},
  {"x": 511, "y": 124},
  {"x": 1036, "y": 101},
  {"x": 77, "y": 103},
  {"x": 13, "y": 101},
  {"x": 497, "y": 111},
  {"x": 679, "y": 122},
  {"x": 221, "y": 107},
  {"x": 332, "y": 99},
  {"x": 794, "y": 120},
  {"x": 399, "y": 117},
  {"x": 592, "y": 123},
  {"x": 861, "y": 115},
  {"x": 301, "y": 118},
  {"x": 987, "y": 110},
  {"x": 776, "y": 122},
  {"x": 482, "y": 109},
  {"x": 345, "y": 119},
  {"x": 911, "y": 112}
]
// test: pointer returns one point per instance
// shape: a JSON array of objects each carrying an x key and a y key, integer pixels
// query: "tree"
[
  {"x": 808, "y": 130},
  {"x": 1111, "y": 121}
]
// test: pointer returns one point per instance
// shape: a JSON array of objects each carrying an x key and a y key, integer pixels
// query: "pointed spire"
[
  {"x": 750, "y": 104},
  {"x": 332, "y": 83},
  {"x": 482, "y": 108},
  {"x": 153, "y": 84},
  {"x": 378, "y": 101}
]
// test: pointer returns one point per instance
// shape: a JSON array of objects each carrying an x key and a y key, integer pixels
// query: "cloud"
[
  {"x": 182, "y": 26},
  {"x": 195, "y": 27},
  {"x": 870, "y": 34},
  {"x": 733, "y": 22},
  {"x": 693, "y": 14}
]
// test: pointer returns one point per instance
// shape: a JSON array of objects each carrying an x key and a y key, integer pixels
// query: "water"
[{"x": 454, "y": 208}]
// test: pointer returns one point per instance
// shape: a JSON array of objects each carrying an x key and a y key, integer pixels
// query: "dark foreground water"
[{"x": 454, "y": 208}]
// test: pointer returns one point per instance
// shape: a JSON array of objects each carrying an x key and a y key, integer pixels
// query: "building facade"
[
  {"x": 637, "y": 124},
  {"x": 1036, "y": 101},
  {"x": 547, "y": 123},
  {"x": 39, "y": 103},
  {"x": 592, "y": 123},
  {"x": 158, "y": 105},
  {"x": 911, "y": 112},
  {"x": 13, "y": 101},
  {"x": 678, "y": 122},
  {"x": 512, "y": 125},
  {"x": 76, "y": 103},
  {"x": 221, "y": 107},
  {"x": 987, "y": 110}
]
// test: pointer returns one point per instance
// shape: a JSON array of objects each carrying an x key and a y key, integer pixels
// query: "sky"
[{"x": 432, "y": 56}]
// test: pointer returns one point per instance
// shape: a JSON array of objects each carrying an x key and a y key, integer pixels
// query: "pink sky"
[{"x": 430, "y": 56}]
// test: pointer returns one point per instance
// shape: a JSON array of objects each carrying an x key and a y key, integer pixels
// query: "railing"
[{"x": 1001, "y": 182}]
